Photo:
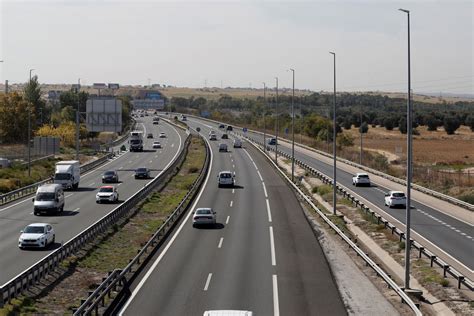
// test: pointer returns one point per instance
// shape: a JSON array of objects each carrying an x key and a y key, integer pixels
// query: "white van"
[
  {"x": 48, "y": 198},
  {"x": 225, "y": 178},
  {"x": 237, "y": 143}
]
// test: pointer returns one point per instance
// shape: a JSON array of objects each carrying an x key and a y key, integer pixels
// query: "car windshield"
[
  {"x": 34, "y": 230},
  {"x": 45, "y": 196},
  {"x": 109, "y": 173},
  {"x": 135, "y": 141},
  {"x": 106, "y": 190},
  {"x": 141, "y": 170},
  {"x": 156, "y": 143},
  {"x": 203, "y": 211},
  {"x": 226, "y": 175},
  {"x": 62, "y": 176},
  {"x": 398, "y": 194},
  {"x": 363, "y": 176}
]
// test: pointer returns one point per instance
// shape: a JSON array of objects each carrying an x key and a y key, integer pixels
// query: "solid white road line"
[
  {"x": 231, "y": 203},
  {"x": 272, "y": 247},
  {"x": 220, "y": 242},
  {"x": 265, "y": 190},
  {"x": 260, "y": 176},
  {"x": 91, "y": 184},
  {"x": 269, "y": 211},
  {"x": 165, "y": 250},
  {"x": 208, "y": 281},
  {"x": 276, "y": 305},
  {"x": 227, "y": 220}
]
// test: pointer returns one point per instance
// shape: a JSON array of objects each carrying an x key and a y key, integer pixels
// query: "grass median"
[{"x": 84, "y": 272}]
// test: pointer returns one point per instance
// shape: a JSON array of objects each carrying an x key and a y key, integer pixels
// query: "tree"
[
  {"x": 14, "y": 111},
  {"x": 32, "y": 93},
  {"x": 451, "y": 124},
  {"x": 344, "y": 140},
  {"x": 68, "y": 114},
  {"x": 431, "y": 122},
  {"x": 402, "y": 125},
  {"x": 364, "y": 128},
  {"x": 388, "y": 123},
  {"x": 470, "y": 121}
]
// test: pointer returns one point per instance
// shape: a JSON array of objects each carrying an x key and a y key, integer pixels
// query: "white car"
[
  {"x": 38, "y": 235},
  {"x": 212, "y": 137},
  {"x": 237, "y": 143},
  {"x": 395, "y": 198},
  {"x": 204, "y": 216},
  {"x": 156, "y": 144},
  {"x": 361, "y": 179},
  {"x": 107, "y": 193},
  {"x": 225, "y": 178},
  {"x": 162, "y": 135}
]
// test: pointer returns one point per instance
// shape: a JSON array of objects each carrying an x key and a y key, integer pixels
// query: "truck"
[
  {"x": 68, "y": 174},
  {"x": 136, "y": 141}
]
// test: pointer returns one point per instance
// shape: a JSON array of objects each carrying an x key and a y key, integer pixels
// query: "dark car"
[
  {"x": 225, "y": 136},
  {"x": 150, "y": 135},
  {"x": 142, "y": 173},
  {"x": 272, "y": 141},
  {"x": 229, "y": 128},
  {"x": 110, "y": 176},
  {"x": 221, "y": 126}
]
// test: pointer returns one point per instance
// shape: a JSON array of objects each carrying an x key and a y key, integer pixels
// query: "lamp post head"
[
  {"x": 332, "y": 53},
  {"x": 404, "y": 10}
]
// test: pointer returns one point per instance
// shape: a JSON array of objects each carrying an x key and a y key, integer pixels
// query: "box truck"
[
  {"x": 136, "y": 141},
  {"x": 68, "y": 174}
]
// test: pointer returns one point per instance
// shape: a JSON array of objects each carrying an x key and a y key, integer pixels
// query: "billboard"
[
  {"x": 99, "y": 86},
  {"x": 153, "y": 96},
  {"x": 149, "y": 104},
  {"x": 104, "y": 115},
  {"x": 114, "y": 86},
  {"x": 43, "y": 146}
]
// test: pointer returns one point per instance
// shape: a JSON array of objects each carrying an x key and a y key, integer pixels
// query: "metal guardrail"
[
  {"x": 118, "y": 282},
  {"x": 31, "y": 189},
  {"x": 36, "y": 272},
  {"x": 447, "y": 269},
  {"x": 417, "y": 187},
  {"x": 391, "y": 283}
]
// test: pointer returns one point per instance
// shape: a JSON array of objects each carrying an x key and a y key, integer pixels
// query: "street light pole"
[
  {"x": 276, "y": 123},
  {"x": 29, "y": 140},
  {"x": 334, "y": 141},
  {"x": 264, "y": 121},
  {"x": 77, "y": 122},
  {"x": 293, "y": 129},
  {"x": 31, "y": 70},
  {"x": 409, "y": 166}
]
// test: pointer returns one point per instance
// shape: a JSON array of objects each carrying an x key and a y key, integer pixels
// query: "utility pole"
[
  {"x": 409, "y": 166},
  {"x": 29, "y": 140},
  {"x": 293, "y": 129},
  {"x": 31, "y": 70},
  {"x": 276, "y": 123},
  {"x": 334, "y": 185},
  {"x": 264, "y": 121},
  {"x": 361, "y": 132},
  {"x": 77, "y": 121}
]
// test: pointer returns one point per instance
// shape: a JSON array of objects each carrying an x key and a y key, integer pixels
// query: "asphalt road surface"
[
  {"x": 261, "y": 256},
  {"x": 80, "y": 209}
]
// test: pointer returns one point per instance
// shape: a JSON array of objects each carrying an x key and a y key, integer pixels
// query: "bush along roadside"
[{"x": 81, "y": 274}]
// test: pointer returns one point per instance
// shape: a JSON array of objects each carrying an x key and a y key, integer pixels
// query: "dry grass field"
[{"x": 429, "y": 148}]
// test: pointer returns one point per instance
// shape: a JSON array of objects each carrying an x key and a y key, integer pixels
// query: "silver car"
[{"x": 204, "y": 216}]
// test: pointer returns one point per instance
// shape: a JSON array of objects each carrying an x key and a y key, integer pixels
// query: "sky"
[{"x": 241, "y": 43}]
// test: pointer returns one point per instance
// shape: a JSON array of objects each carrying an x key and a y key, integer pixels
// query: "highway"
[
  {"x": 261, "y": 256},
  {"x": 454, "y": 237},
  {"x": 80, "y": 209}
]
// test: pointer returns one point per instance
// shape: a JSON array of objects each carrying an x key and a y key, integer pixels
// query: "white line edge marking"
[
  {"x": 260, "y": 176},
  {"x": 220, "y": 242},
  {"x": 269, "y": 211},
  {"x": 265, "y": 190},
  {"x": 276, "y": 305},
  {"x": 231, "y": 203},
  {"x": 168, "y": 245},
  {"x": 227, "y": 220},
  {"x": 272, "y": 246}
]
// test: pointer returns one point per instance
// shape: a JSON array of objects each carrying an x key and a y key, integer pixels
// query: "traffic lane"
[
  {"x": 451, "y": 233},
  {"x": 182, "y": 272},
  {"x": 305, "y": 282},
  {"x": 80, "y": 212},
  {"x": 242, "y": 273}
]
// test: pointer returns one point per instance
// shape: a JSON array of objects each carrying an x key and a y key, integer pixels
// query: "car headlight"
[{"x": 20, "y": 239}]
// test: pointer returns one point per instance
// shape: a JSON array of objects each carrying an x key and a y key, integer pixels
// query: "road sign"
[{"x": 104, "y": 115}]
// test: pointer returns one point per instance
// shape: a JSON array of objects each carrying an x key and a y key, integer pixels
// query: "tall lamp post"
[
  {"x": 29, "y": 134},
  {"x": 293, "y": 129},
  {"x": 264, "y": 120},
  {"x": 276, "y": 122},
  {"x": 334, "y": 141},
  {"x": 77, "y": 119},
  {"x": 409, "y": 165},
  {"x": 31, "y": 70}
]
